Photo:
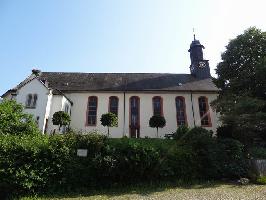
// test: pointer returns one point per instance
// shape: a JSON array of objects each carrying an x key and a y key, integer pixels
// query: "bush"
[
  {"x": 61, "y": 118},
  {"x": 222, "y": 158},
  {"x": 258, "y": 152},
  {"x": 41, "y": 163},
  {"x": 204, "y": 147},
  {"x": 157, "y": 121},
  {"x": 109, "y": 120},
  {"x": 180, "y": 132},
  {"x": 14, "y": 121},
  {"x": 232, "y": 163},
  {"x": 225, "y": 131},
  {"x": 31, "y": 163},
  {"x": 261, "y": 180},
  {"x": 197, "y": 136}
]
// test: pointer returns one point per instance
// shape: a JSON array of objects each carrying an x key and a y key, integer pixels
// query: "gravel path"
[{"x": 217, "y": 192}]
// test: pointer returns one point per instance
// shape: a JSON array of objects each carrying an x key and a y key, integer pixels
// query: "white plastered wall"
[
  {"x": 79, "y": 112},
  {"x": 35, "y": 87},
  {"x": 58, "y": 103}
]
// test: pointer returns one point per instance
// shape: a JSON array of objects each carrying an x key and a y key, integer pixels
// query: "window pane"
[
  {"x": 34, "y": 100},
  {"x": 92, "y": 111},
  {"x": 180, "y": 111},
  {"x": 134, "y": 111},
  {"x": 203, "y": 111},
  {"x": 29, "y": 99},
  {"x": 157, "y": 103},
  {"x": 113, "y": 105}
]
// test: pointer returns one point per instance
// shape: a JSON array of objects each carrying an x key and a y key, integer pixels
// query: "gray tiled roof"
[
  {"x": 63, "y": 82},
  {"x": 67, "y": 82}
]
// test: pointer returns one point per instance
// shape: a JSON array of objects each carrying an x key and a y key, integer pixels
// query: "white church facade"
[{"x": 183, "y": 99}]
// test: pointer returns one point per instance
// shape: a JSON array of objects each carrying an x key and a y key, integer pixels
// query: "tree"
[
  {"x": 157, "y": 121},
  {"x": 241, "y": 78},
  {"x": 109, "y": 120},
  {"x": 61, "y": 118},
  {"x": 13, "y": 121}
]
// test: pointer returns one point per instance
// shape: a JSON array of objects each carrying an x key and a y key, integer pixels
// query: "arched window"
[
  {"x": 35, "y": 97},
  {"x": 157, "y": 103},
  {"x": 134, "y": 117},
  {"x": 113, "y": 105},
  {"x": 181, "y": 116},
  {"x": 204, "y": 111},
  {"x": 66, "y": 108},
  {"x": 31, "y": 100},
  {"x": 92, "y": 111},
  {"x": 28, "y": 100}
]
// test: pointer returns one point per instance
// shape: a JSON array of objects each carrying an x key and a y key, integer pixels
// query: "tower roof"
[{"x": 195, "y": 43}]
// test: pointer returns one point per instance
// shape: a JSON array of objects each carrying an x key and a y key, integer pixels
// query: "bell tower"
[{"x": 198, "y": 67}]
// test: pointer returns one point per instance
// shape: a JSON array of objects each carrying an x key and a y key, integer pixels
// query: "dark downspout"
[{"x": 192, "y": 108}]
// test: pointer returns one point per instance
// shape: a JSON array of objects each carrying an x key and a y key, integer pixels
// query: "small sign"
[{"x": 82, "y": 152}]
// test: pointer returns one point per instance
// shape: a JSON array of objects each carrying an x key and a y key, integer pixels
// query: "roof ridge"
[{"x": 116, "y": 73}]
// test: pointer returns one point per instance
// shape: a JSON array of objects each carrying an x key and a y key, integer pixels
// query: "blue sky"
[{"x": 116, "y": 35}]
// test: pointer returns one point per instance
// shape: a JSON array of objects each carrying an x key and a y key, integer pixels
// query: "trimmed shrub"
[
  {"x": 110, "y": 120},
  {"x": 61, "y": 118},
  {"x": 157, "y": 121}
]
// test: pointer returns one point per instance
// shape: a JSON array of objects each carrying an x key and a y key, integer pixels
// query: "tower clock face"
[{"x": 202, "y": 64}]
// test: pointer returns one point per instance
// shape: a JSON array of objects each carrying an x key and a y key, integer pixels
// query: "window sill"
[
  {"x": 91, "y": 125},
  {"x": 27, "y": 107},
  {"x": 210, "y": 125}
]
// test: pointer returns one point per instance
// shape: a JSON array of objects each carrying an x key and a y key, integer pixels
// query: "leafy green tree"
[
  {"x": 157, "y": 121},
  {"x": 241, "y": 78},
  {"x": 61, "y": 118},
  {"x": 14, "y": 122},
  {"x": 109, "y": 120}
]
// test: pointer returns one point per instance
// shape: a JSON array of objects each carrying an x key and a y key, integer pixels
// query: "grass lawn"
[{"x": 206, "y": 191}]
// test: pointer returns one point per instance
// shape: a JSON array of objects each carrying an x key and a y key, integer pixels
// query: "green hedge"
[
  {"x": 258, "y": 152},
  {"x": 45, "y": 163}
]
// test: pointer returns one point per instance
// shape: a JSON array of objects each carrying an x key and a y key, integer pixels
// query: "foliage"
[
  {"x": 231, "y": 161},
  {"x": 225, "y": 131},
  {"x": 180, "y": 132},
  {"x": 204, "y": 148},
  {"x": 13, "y": 121},
  {"x": 157, "y": 121},
  {"x": 198, "y": 135},
  {"x": 61, "y": 118},
  {"x": 31, "y": 163},
  {"x": 109, "y": 120},
  {"x": 241, "y": 78},
  {"x": 41, "y": 163},
  {"x": 261, "y": 180},
  {"x": 215, "y": 158},
  {"x": 258, "y": 152}
]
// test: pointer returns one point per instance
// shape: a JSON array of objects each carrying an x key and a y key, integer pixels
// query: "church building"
[{"x": 183, "y": 99}]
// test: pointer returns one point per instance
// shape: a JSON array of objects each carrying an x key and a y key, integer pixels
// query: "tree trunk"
[
  {"x": 157, "y": 132},
  {"x": 108, "y": 131}
]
